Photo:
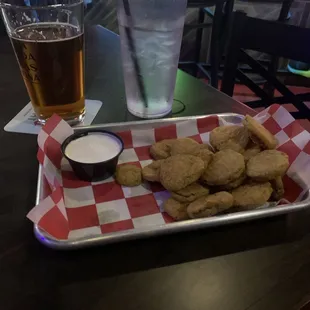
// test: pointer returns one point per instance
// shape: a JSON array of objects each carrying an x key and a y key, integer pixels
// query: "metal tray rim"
[
  {"x": 151, "y": 231},
  {"x": 154, "y": 121}
]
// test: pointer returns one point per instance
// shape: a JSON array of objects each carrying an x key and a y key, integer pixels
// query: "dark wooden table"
[{"x": 258, "y": 265}]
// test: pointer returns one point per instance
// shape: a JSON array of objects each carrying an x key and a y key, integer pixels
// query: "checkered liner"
[{"x": 77, "y": 208}]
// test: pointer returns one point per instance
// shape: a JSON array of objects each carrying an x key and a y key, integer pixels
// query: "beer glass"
[{"x": 48, "y": 41}]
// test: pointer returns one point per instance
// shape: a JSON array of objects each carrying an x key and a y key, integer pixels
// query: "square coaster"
[{"x": 24, "y": 121}]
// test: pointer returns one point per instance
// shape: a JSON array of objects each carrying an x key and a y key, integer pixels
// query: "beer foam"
[
  {"x": 43, "y": 32},
  {"x": 93, "y": 148}
]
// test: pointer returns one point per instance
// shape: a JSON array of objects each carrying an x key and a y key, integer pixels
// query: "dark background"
[{"x": 256, "y": 265}]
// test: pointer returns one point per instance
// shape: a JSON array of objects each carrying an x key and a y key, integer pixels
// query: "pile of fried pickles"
[{"x": 239, "y": 170}]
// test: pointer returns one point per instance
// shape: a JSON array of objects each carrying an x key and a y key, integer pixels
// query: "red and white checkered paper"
[{"x": 77, "y": 208}]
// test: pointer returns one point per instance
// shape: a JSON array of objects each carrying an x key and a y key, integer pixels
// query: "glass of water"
[{"x": 151, "y": 34}]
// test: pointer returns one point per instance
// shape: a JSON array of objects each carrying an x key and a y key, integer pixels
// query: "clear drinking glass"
[
  {"x": 48, "y": 41},
  {"x": 151, "y": 34}
]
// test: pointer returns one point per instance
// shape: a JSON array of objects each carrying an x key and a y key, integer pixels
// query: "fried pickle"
[
  {"x": 177, "y": 210},
  {"x": 229, "y": 137},
  {"x": 179, "y": 171},
  {"x": 210, "y": 205},
  {"x": 252, "y": 195},
  {"x": 259, "y": 134},
  {"x": 128, "y": 175},
  {"x": 225, "y": 167},
  {"x": 190, "y": 193},
  {"x": 267, "y": 165},
  {"x": 162, "y": 149},
  {"x": 151, "y": 171},
  {"x": 278, "y": 188}
]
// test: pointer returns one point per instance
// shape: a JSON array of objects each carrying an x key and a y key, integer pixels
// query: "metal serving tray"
[{"x": 147, "y": 232}]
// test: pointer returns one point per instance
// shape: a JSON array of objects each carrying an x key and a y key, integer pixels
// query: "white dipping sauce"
[{"x": 93, "y": 148}]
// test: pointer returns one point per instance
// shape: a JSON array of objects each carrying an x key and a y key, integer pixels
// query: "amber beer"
[{"x": 50, "y": 56}]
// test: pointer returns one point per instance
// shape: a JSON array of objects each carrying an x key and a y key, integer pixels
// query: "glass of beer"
[{"x": 48, "y": 41}]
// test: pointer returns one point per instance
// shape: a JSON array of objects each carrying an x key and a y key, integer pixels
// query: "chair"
[
  {"x": 222, "y": 13},
  {"x": 283, "y": 16},
  {"x": 274, "y": 38},
  {"x": 221, "y": 22}
]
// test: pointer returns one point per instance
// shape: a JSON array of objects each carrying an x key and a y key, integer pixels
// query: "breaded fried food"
[
  {"x": 267, "y": 165},
  {"x": 151, "y": 171},
  {"x": 184, "y": 146},
  {"x": 229, "y": 137},
  {"x": 128, "y": 175},
  {"x": 252, "y": 195},
  {"x": 162, "y": 149},
  {"x": 259, "y": 134},
  {"x": 206, "y": 146},
  {"x": 179, "y": 171},
  {"x": 177, "y": 210},
  {"x": 189, "y": 146},
  {"x": 225, "y": 167},
  {"x": 210, "y": 205},
  {"x": 278, "y": 188},
  {"x": 206, "y": 155},
  {"x": 190, "y": 193},
  {"x": 234, "y": 184},
  {"x": 251, "y": 150}
]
